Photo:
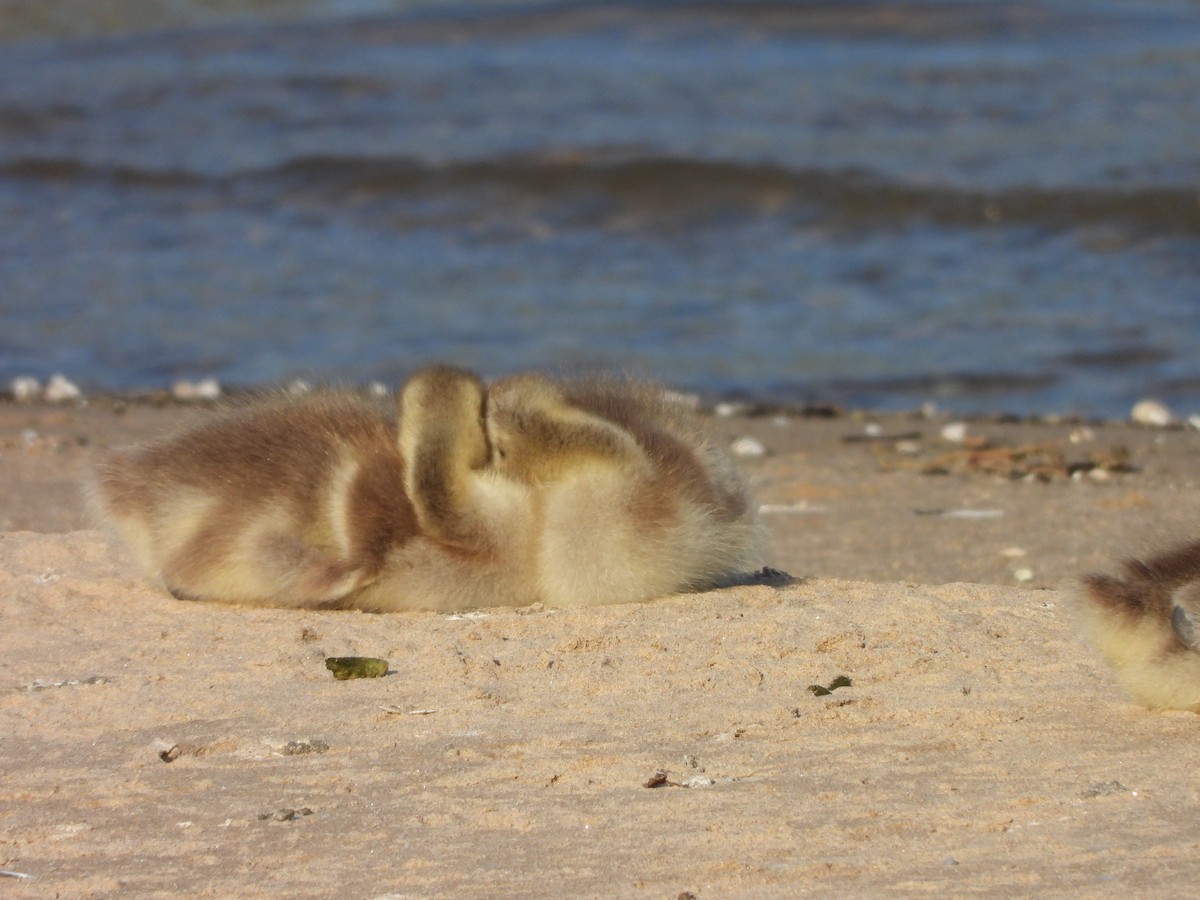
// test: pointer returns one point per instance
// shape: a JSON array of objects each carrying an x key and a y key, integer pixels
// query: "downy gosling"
[{"x": 569, "y": 493}]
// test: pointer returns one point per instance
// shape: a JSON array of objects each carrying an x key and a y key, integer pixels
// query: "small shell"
[
  {"x": 59, "y": 389},
  {"x": 1151, "y": 412},
  {"x": 25, "y": 389},
  {"x": 748, "y": 447},
  {"x": 954, "y": 432}
]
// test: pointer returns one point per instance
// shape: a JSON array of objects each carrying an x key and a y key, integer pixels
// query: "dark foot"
[{"x": 766, "y": 575}]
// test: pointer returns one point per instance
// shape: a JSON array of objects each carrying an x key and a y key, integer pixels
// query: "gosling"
[
  {"x": 295, "y": 501},
  {"x": 568, "y": 494},
  {"x": 1144, "y": 625},
  {"x": 632, "y": 499}
]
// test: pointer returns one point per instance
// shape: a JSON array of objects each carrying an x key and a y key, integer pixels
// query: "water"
[{"x": 993, "y": 206}]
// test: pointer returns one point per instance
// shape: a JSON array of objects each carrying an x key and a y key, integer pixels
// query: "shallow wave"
[
  {"x": 668, "y": 184},
  {"x": 65, "y": 169},
  {"x": 413, "y": 20},
  {"x": 926, "y": 20},
  {"x": 900, "y": 392}
]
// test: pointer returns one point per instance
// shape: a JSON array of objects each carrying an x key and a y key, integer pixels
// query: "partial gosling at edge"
[{"x": 1143, "y": 624}]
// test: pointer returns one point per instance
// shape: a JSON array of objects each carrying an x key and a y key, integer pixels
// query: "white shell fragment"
[
  {"x": 205, "y": 389},
  {"x": 1082, "y": 435},
  {"x": 954, "y": 432},
  {"x": 1151, "y": 412},
  {"x": 24, "y": 388},
  {"x": 59, "y": 389},
  {"x": 968, "y": 514},
  {"x": 728, "y": 409},
  {"x": 748, "y": 447}
]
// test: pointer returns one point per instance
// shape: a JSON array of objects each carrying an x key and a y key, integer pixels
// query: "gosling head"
[{"x": 536, "y": 435}]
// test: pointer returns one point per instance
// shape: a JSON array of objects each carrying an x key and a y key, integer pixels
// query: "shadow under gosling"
[
  {"x": 568, "y": 493},
  {"x": 1144, "y": 623}
]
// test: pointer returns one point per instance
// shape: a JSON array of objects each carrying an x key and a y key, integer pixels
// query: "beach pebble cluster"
[
  {"x": 59, "y": 389},
  {"x": 204, "y": 389}
]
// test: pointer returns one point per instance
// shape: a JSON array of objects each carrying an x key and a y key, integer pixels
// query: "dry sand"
[{"x": 151, "y": 747}]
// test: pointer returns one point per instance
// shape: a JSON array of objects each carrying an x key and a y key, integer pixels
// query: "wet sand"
[{"x": 153, "y": 746}]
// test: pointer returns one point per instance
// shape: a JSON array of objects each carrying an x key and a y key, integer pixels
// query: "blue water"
[{"x": 995, "y": 207}]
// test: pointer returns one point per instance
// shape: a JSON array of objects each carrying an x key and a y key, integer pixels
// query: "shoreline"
[
  {"x": 58, "y": 389},
  {"x": 208, "y": 393},
  {"x": 876, "y": 497}
]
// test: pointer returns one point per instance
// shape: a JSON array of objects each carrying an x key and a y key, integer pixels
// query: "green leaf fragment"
[
  {"x": 840, "y": 682},
  {"x": 344, "y": 667}
]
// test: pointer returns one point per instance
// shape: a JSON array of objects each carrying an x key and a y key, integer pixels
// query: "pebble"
[
  {"x": 748, "y": 447},
  {"x": 727, "y": 409},
  {"x": 42, "y": 684},
  {"x": 286, "y": 815},
  {"x": 955, "y": 432},
  {"x": 1151, "y": 412},
  {"x": 1105, "y": 789},
  {"x": 1082, "y": 435},
  {"x": 1023, "y": 575},
  {"x": 299, "y": 748},
  {"x": 24, "y": 388},
  {"x": 968, "y": 513},
  {"x": 1013, "y": 552},
  {"x": 59, "y": 389}
]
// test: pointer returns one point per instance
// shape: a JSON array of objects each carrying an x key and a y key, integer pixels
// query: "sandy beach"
[{"x": 153, "y": 747}]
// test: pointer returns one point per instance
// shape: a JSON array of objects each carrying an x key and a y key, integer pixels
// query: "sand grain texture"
[{"x": 981, "y": 749}]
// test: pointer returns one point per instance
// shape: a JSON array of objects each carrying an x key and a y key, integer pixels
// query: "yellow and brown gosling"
[
  {"x": 1143, "y": 622},
  {"x": 632, "y": 498},
  {"x": 569, "y": 493}
]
